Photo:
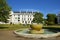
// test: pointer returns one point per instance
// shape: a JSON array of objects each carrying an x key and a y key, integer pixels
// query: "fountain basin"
[
  {"x": 37, "y": 32},
  {"x": 46, "y": 34},
  {"x": 37, "y": 27}
]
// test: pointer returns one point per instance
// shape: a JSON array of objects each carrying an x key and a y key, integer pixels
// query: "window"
[
  {"x": 22, "y": 21},
  {"x": 15, "y": 17},
  {"x": 28, "y": 15},
  {"x": 28, "y": 18},
  {"x": 28, "y": 21},
  {"x": 24, "y": 18},
  {"x": 18, "y": 20},
  {"x": 25, "y": 22},
  {"x": 18, "y": 17}
]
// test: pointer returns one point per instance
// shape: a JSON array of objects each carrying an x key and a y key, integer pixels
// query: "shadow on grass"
[
  {"x": 4, "y": 27},
  {"x": 52, "y": 29}
]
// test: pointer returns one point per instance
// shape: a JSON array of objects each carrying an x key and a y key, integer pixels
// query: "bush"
[{"x": 50, "y": 23}]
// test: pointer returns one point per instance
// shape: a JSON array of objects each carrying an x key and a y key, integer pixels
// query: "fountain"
[{"x": 36, "y": 31}]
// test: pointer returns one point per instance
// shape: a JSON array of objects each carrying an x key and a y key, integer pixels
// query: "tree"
[
  {"x": 4, "y": 11},
  {"x": 51, "y": 18},
  {"x": 38, "y": 17}
]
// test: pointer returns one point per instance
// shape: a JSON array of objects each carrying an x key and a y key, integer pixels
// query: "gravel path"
[{"x": 9, "y": 35}]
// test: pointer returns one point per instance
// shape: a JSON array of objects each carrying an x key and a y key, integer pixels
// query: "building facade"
[
  {"x": 23, "y": 17},
  {"x": 58, "y": 18}
]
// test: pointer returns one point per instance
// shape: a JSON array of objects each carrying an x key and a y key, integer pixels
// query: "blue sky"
[{"x": 44, "y": 6}]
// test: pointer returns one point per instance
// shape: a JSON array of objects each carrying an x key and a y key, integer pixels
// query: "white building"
[
  {"x": 58, "y": 18},
  {"x": 23, "y": 17}
]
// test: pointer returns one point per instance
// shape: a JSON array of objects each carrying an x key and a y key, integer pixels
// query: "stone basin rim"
[{"x": 36, "y": 35}]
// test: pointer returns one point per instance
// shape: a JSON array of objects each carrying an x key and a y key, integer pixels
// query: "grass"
[
  {"x": 53, "y": 26},
  {"x": 12, "y": 26},
  {"x": 20, "y": 26}
]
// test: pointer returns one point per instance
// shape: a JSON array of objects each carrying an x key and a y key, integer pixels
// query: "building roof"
[{"x": 23, "y": 12}]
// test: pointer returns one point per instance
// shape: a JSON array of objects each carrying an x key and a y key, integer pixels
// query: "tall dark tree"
[
  {"x": 51, "y": 18},
  {"x": 4, "y": 11},
  {"x": 38, "y": 17}
]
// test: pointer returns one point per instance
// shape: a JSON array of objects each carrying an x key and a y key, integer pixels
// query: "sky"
[{"x": 44, "y": 6}]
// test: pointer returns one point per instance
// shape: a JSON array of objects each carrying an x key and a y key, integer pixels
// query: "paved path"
[{"x": 9, "y": 35}]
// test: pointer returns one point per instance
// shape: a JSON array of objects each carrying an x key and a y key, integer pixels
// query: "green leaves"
[
  {"x": 4, "y": 11},
  {"x": 38, "y": 18},
  {"x": 51, "y": 18}
]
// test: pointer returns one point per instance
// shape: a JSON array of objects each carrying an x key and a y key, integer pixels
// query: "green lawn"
[
  {"x": 12, "y": 26},
  {"x": 19, "y": 26},
  {"x": 53, "y": 26}
]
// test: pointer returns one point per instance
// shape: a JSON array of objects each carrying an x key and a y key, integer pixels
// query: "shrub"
[{"x": 50, "y": 23}]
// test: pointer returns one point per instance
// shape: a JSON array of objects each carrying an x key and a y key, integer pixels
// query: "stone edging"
[{"x": 37, "y": 35}]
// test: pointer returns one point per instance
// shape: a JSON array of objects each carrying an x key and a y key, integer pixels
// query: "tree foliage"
[
  {"x": 38, "y": 17},
  {"x": 4, "y": 11},
  {"x": 51, "y": 18}
]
